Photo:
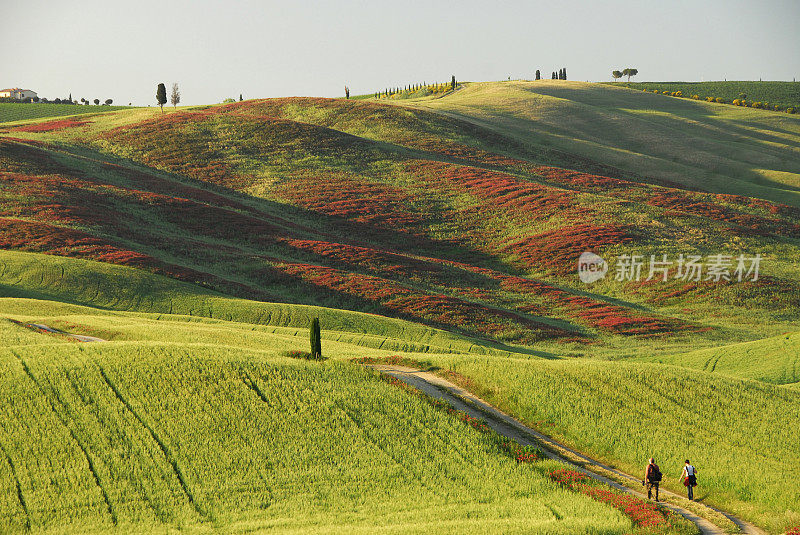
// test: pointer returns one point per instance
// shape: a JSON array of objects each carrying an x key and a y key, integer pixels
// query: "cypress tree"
[
  {"x": 565, "y": 73},
  {"x": 453, "y": 82},
  {"x": 161, "y": 96},
  {"x": 538, "y": 75},
  {"x": 316, "y": 339}
]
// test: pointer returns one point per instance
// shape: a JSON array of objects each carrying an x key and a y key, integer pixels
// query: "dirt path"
[
  {"x": 503, "y": 424},
  {"x": 51, "y": 330}
]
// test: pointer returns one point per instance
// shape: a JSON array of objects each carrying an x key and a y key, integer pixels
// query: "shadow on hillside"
[
  {"x": 694, "y": 140},
  {"x": 235, "y": 265}
]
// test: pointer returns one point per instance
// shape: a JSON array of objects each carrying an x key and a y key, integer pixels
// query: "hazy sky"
[{"x": 121, "y": 50}]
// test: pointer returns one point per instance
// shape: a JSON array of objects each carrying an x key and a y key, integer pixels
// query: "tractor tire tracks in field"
[
  {"x": 439, "y": 388},
  {"x": 52, "y": 399},
  {"x": 17, "y": 483},
  {"x": 165, "y": 450}
]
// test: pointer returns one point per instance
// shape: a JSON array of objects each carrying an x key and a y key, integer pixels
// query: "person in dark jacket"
[
  {"x": 652, "y": 478},
  {"x": 689, "y": 478}
]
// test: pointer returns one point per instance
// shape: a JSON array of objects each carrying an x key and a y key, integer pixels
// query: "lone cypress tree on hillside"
[
  {"x": 538, "y": 75},
  {"x": 316, "y": 339},
  {"x": 161, "y": 96},
  {"x": 453, "y": 82}
]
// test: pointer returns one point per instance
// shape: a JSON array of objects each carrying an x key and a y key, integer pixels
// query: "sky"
[{"x": 216, "y": 50}]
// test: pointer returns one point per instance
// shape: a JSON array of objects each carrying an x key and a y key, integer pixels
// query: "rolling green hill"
[
  {"x": 200, "y": 243},
  {"x": 772, "y": 360},
  {"x": 143, "y": 436},
  {"x": 119, "y": 288},
  {"x": 696, "y": 145},
  {"x": 392, "y": 211}
]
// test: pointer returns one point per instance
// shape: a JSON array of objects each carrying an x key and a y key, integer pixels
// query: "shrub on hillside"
[
  {"x": 790, "y": 110},
  {"x": 720, "y": 100},
  {"x": 696, "y": 97},
  {"x": 737, "y": 102}
]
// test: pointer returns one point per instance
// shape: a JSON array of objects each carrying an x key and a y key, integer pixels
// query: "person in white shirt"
[{"x": 689, "y": 478}]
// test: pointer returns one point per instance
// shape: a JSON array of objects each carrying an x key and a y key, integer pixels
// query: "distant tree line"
[
  {"x": 414, "y": 90},
  {"x": 57, "y": 100},
  {"x": 561, "y": 74}
]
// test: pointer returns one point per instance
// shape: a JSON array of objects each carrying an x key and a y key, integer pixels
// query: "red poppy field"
[{"x": 370, "y": 221}]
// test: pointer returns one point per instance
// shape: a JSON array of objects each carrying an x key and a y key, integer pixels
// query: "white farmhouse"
[{"x": 17, "y": 93}]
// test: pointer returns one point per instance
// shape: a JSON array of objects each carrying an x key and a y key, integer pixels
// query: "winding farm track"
[
  {"x": 436, "y": 387},
  {"x": 79, "y": 337}
]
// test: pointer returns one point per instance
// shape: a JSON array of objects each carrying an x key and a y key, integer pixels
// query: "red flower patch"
[
  {"x": 355, "y": 199},
  {"x": 376, "y": 260},
  {"x": 643, "y": 514},
  {"x": 691, "y": 204},
  {"x": 50, "y": 126},
  {"x": 597, "y": 314},
  {"x": 499, "y": 193},
  {"x": 558, "y": 250},
  {"x": 582, "y": 181},
  {"x": 522, "y": 454},
  {"x": 431, "y": 308}
]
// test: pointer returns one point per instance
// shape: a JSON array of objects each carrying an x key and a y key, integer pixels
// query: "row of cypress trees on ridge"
[
  {"x": 560, "y": 75},
  {"x": 417, "y": 90},
  {"x": 425, "y": 89}
]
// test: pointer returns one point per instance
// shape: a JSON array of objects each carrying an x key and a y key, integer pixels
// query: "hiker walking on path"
[
  {"x": 689, "y": 478},
  {"x": 652, "y": 478}
]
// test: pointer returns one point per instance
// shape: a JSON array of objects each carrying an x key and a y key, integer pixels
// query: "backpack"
[{"x": 655, "y": 474}]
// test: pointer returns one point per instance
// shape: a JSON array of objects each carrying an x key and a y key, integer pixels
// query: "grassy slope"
[
  {"x": 119, "y": 288},
  {"x": 784, "y": 94},
  {"x": 739, "y": 433},
  {"x": 589, "y": 404},
  {"x": 11, "y": 112},
  {"x": 383, "y": 184},
  {"x": 713, "y": 147},
  {"x": 138, "y": 435},
  {"x": 268, "y": 162},
  {"x": 772, "y": 360}
]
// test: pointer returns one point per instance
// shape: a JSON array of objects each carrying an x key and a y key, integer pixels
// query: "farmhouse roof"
[{"x": 13, "y": 89}]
